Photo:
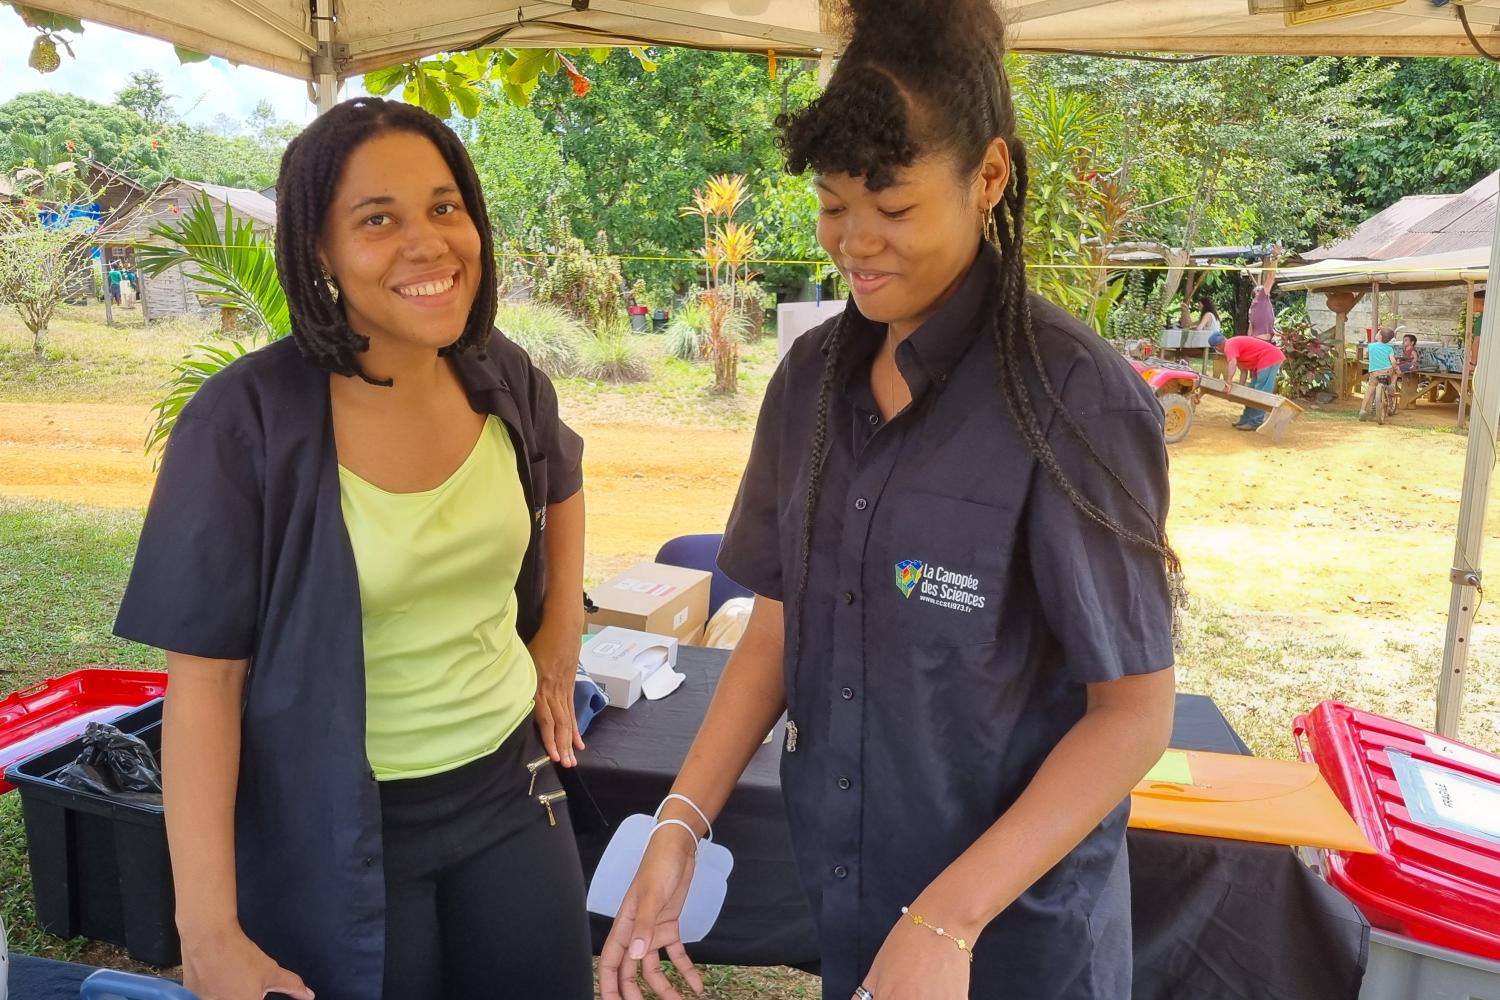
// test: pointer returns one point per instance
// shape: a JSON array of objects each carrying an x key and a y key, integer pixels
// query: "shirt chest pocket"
[{"x": 943, "y": 567}]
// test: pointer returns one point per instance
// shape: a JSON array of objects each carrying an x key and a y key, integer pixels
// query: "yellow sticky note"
[{"x": 1173, "y": 769}]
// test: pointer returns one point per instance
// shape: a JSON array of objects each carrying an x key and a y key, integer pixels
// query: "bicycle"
[{"x": 1385, "y": 397}]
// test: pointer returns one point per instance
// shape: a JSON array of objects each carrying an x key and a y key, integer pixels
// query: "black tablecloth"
[{"x": 1213, "y": 918}]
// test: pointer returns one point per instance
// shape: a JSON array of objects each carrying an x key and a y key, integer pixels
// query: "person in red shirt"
[{"x": 1261, "y": 358}]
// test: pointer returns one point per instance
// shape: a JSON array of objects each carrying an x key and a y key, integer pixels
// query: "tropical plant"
[
  {"x": 1308, "y": 368},
  {"x": 236, "y": 270},
  {"x": 611, "y": 355},
  {"x": 687, "y": 333},
  {"x": 728, "y": 248},
  {"x": 552, "y": 337},
  {"x": 1137, "y": 314},
  {"x": 188, "y": 376},
  {"x": 41, "y": 259},
  {"x": 235, "y": 266},
  {"x": 584, "y": 283}
]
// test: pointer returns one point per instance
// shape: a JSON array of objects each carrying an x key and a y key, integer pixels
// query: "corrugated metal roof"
[
  {"x": 246, "y": 203},
  {"x": 1421, "y": 225}
]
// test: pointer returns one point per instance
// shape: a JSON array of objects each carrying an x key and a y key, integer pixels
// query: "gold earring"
[{"x": 991, "y": 227}]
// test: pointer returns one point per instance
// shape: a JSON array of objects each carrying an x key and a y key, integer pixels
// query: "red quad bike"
[{"x": 1175, "y": 385}]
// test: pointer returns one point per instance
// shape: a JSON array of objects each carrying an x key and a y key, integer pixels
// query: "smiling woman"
[{"x": 359, "y": 511}]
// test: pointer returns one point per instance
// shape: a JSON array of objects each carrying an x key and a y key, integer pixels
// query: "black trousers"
[{"x": 484, "y": 897}]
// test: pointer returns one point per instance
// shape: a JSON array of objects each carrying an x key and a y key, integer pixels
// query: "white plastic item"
[
  {"x": 617, "y": 868},
  {"x": 1402, "y": 968}
]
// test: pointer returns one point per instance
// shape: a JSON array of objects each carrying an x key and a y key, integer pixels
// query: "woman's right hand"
[
  {"x": 227, "y": 965},
  {"x": 647, "y": 923}
]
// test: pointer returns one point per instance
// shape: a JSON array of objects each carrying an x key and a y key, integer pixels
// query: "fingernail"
[{"x": 637, "y": 950}]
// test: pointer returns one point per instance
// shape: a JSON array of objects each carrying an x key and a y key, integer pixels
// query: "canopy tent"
[
  {"x": 1455, "y": 268},
  {"x": 324, "y": 41},
  {"x": 296, "y": 38}
]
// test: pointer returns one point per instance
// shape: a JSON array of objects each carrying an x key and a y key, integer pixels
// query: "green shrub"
[
  {"x": 612, "y": 356},
  {"x": 549, "y": 335},
  {"x": 687, "y": 333}
]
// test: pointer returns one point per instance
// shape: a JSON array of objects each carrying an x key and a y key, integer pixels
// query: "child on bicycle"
[{"x": 1381, "y": 358}]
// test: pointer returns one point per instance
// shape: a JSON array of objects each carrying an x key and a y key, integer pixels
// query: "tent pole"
[
  {"x": 1469, "y": 547},
  {"x": 324, "y": 63},
  {"x": 825, "y": 68}
]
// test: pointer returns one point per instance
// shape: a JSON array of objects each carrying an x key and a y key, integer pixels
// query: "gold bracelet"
[{"x": 921, "y": 921}]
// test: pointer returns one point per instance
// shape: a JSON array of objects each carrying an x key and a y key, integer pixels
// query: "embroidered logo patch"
[{"x": 908, "y": 575}]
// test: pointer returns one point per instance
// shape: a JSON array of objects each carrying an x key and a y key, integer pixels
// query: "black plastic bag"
[{"x": 115, "y": 764}]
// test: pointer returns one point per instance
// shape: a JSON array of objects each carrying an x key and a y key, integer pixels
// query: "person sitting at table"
[
  {"x": 1407, "y": 360},
  {"x": 953, "y": 520},
  {"x": 1208, "y": 316},
  {"x": 1380, "y": 364},
  {"x": 1261, "y": 359},
  {"x": 364, "y": 558}
]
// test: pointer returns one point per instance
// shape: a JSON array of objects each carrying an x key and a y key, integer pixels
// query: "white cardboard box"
[{"x": 621, "y": 660}]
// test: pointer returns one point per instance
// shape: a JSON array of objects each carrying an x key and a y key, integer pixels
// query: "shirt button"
[
  {"x": 861, "y": 503},
  {"x": 369, "y": 862},
  {"x": 844, "y": 784},
  {"x": 848, "y": 597},
  {"x": 848, "y": 694},
  {"x": 874, "y": 420},
  {"x": 839, "y": 871}
]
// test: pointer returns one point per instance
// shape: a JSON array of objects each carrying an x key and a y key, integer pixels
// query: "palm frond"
[
  {"x": 188, "y": 376},
  {"x": 237, "y": 265}
]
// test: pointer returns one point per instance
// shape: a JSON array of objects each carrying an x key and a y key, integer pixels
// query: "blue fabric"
[
  {"x": 589, "y": 700},
  {"x": 1265, "y": 381},
  {"x": 702, "y": 552}
]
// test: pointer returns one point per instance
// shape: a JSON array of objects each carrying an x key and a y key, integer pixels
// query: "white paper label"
[
  {"x": 1470, "y": 758},
  {"x": 646, "y": 587},
  {"x": 679, "y": 619},
  {"x": 1440, "y": 797}
]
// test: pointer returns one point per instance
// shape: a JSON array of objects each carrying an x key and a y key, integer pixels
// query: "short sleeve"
[
  {"x": 558, "y": 443},
  {"x": 195, "y": 584},
  {"x": 1105, "y": 599},
  {"x": 751, "y": 552}
]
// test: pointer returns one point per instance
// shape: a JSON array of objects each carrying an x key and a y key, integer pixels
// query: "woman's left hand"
[
  {"x": 916, "y": 964},
  {"x": 554, "y": 650}
]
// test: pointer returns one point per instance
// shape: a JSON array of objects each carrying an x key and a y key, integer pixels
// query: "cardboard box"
[
  {"x": 651, "y": 597},
  {"x": 622, "y": 661}
]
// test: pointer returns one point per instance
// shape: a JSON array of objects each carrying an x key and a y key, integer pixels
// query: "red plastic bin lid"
[
  {"x": 1436, "y": 873},
  {"x": 27, "y": 717}
]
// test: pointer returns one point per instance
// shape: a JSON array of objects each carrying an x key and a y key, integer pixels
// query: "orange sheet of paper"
[{"x": 1249, "y": 798}]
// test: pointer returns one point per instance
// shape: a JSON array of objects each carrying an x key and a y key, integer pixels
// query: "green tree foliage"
[
  {"x": 113, "y": 136},
  {"x": 1229, "y": 150},
  {"x": 247, "y": 156},
  {"x": 520, "y": 165},
  {"x": 1439, "y": 129},
  {"x": 640, "y": 143},
  {"x": 147, "y": 96}
]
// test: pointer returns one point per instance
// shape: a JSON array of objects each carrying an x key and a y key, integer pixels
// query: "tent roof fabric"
[
  {"x": 1422, "y": 225},
  {"x": 278, "y": 34},
  {"x": 1453, "y": 268}
]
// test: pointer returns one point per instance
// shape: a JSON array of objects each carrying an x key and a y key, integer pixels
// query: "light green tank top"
[{"x": 447, "y": 679}]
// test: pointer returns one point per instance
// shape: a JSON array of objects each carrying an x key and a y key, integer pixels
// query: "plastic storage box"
[
  {"x": 1431, "y": 808},
  {"x": 53, "y": 712},
  {"x": 1403, "y": 969},
  {"x": 99, "y": 866}
]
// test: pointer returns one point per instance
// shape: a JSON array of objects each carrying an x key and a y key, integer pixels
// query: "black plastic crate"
[{"x": 99, "y": 867}]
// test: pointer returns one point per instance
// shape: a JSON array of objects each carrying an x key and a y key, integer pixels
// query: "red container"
[
  {"x": 638, "y": 310},
  {"x": 55, "y": 711},
  {"x": 1430, "y": 879}
]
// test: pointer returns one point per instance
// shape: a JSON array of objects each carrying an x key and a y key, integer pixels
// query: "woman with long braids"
[
  {"x": 364, "y": 557},
  {"x": 953, "y": 519}
]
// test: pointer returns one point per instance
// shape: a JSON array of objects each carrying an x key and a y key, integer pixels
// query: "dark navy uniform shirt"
[
  {"x": 244, "y": 555},
  {"x": 957, "y": 604}
]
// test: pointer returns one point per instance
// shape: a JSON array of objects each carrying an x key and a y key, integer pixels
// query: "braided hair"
[
  {"x": 310, "y": 171},
  {"x": 923, "y": 76}
]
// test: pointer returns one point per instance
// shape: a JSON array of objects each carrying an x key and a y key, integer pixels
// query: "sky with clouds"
[{"x": 107, "y": 57}]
